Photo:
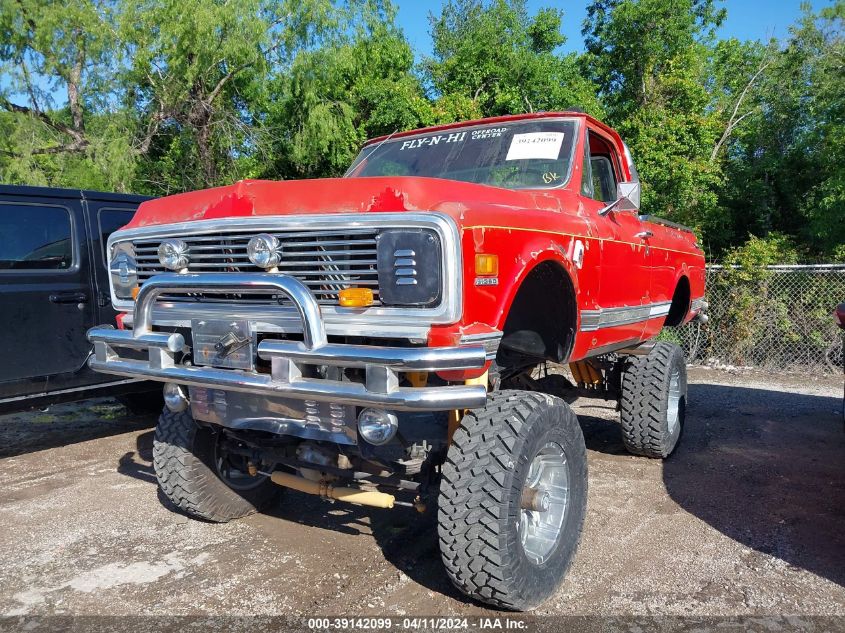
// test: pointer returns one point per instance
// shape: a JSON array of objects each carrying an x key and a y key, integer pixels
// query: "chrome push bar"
[{"x": 381, "y": 364}]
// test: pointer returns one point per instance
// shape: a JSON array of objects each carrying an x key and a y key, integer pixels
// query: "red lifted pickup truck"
[{"x": 398, "y": 336}]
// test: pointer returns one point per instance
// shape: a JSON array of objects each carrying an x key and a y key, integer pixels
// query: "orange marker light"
[
  {"x": 135, "y": 292},
  {"x": 486, "y": 264},
  {"x": 355, "y": 297}
]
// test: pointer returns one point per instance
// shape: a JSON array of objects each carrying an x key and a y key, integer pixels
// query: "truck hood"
[{"x": 463, "y": 201}]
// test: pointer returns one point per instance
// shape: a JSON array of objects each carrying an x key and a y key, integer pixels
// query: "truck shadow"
[
  {"x": 767, "y": 469},
  {"x": 66, "y": 424},
  {"x": 763, "y": 467},
  {"x": 406, "y": 538},
  {"x": 138, "y": 464}
]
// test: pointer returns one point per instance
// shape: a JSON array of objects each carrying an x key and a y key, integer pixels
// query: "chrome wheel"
[
  {"x": 544, "y": 503},
  {"x": 673, "y": 408}
]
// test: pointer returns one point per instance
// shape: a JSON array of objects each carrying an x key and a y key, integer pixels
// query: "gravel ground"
[{"x": 746, "y": 518}]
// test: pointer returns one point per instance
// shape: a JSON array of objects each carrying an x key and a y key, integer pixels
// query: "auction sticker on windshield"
[{"x": 535, "y": 145}]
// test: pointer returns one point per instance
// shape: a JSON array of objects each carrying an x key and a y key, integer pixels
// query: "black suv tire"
[
  {"x": 653, "y": 403},
  {"x": 481, "y": 521},
  {"x": 185, "y": 461}
]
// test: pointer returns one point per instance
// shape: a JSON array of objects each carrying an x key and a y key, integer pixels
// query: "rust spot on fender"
[
  {"x": 230, "y": 205},
  {"x": 388, "y": 200},
  {"x": 478, "y": 239}
]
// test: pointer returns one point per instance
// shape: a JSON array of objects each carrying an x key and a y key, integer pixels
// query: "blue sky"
[{"x": 747, "y": 19}]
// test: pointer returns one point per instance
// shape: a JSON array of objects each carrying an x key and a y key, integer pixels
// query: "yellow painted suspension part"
[
  {"x": 328, "y": 491},
  {"x": 585, "y": 373},
  {"x": 455, "y": 415}
]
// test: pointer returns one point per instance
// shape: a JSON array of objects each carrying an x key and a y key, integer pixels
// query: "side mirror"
[
  {"x": 631, "y": 192},
  {"x": 627, "y": 198}
]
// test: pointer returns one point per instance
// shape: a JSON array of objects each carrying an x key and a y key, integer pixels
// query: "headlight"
[
  {"x": 409, "y": 267},
  {"x": 173, "y": 254},
  {"x": 123, "y": 270},
  {"x": 377, "y": 426},
  {"x": 264, "y": 251}
]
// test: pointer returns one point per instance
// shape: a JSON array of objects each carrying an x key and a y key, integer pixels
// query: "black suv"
[{"x": 54, "y": 285}]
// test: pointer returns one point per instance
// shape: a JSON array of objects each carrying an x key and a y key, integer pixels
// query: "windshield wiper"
[{"x": 372, "y": 151}]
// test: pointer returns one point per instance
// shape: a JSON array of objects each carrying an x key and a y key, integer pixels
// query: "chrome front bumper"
[{"x": 382, "y": 365}]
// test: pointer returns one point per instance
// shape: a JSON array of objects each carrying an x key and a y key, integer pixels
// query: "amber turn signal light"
[
  {"x": 355, "y": 297},
  {"x": 486, "y": 264},
  {"x": 135, "y": 292}
]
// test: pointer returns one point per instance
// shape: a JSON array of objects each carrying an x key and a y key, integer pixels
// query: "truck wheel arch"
[
  {"x": 681, "y": 298},
  {"x": 542, "y": 311}
]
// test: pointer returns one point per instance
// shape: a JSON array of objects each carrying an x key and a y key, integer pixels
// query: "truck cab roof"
[
  {"x": 503, "y": 119},
  {"x": 58, "y": 192}
]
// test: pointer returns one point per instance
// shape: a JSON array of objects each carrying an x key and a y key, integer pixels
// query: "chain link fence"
[{"x": 777, "y": 318}]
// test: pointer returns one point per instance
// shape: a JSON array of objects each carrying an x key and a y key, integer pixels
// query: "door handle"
[
  {"x": 644, "y": 235},
  {"x": 69, "y": 297}
]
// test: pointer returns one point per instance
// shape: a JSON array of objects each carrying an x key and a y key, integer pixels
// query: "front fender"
[{"x": 519, "y": 251}]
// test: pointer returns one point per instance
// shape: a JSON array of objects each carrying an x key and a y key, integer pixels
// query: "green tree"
[
  {"x": 333, "y": 98},
  {"x": 504, "y": 60},
  {"x": 650, "y": 59},
  {"x": 194, "y": 68},
  {"x": 784, "y": 165},
  {"x": 631, "y": 44},
  {"x": 51, "y": 51}
]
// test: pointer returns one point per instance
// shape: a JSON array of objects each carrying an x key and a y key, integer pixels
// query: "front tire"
[
  {"x": 198, "y": 478},
  {"x": 653, "y": 403},
  {"x": 513, "y": 498}
]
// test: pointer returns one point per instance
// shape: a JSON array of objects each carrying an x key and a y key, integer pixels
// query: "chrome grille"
[{"x": 324, "y": 260}]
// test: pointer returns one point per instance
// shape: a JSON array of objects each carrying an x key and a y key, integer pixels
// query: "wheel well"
[
  {"x": 680, "y": 303},
  {"x": 542, "y": 319}
]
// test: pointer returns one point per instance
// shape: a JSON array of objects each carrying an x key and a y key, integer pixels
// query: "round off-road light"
[
  {"x": 173, "y": 254},
  {"x": 377, "y": 426},
  {"x": 174, "y": 397},
  {"x": 264, "y": 251}
]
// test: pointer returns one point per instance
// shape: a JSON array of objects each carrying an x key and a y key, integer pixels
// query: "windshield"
[{"x": 519, "y": 154}]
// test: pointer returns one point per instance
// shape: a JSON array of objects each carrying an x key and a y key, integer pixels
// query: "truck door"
[
  {"x": 104, "y": 218},
  {"x": 625, "y": 278},
  {"x": 46, "y": 305}
]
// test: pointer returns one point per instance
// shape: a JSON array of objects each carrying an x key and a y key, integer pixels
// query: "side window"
[
  {"x": 587, "y": 172},
  {"x": 110, "y": 220},
  {"x": 604, "y": 182},
  {"x": 35, "y": 237},
  {"x": 603, "y": 178}
]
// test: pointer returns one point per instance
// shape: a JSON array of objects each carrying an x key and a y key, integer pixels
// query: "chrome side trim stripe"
[
  {"x": 490, "y": 341},
  {"x": 659, "y": 309},
  {"x": 592, "y": 320},
  {"x": 92, "y": 388}
]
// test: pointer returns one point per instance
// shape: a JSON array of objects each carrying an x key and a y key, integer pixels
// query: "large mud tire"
[
  {"x": 185, "y": 462},
  {"x": 654, "y": 400},
  {"x": 481, "y": 520}
]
